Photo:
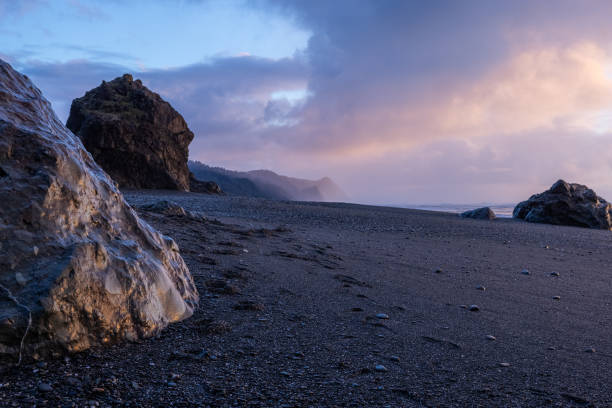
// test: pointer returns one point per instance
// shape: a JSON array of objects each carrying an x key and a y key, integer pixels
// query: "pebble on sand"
[
  {"x": 525, "y": 272},
  {"x": 589, "y": 350},
  {"x": 491, "y": 337},
  {"x": 44, "y": 387},
  {"x": 381, "y": 368},
  {"x": 474, "y": 308},
  {"x": 504, "y": 364},
  {"x": 394, "y": 358},
  {"x": 382, "y": 316},
  {"x": 554, "y": 274},
  {"x": 556, "y": 297},
  {"x": 480, "y": 287}
]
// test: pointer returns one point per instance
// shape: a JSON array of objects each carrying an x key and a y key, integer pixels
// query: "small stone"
[
  {"x": 285, "y": 374},
  {"x": 491, "y": 337},
  {"x": 74, "y": 382},
  {"x": 552, "y": 348},
  {"x": 45, "y": 387},
  {"x": 174, "y": 376},
  {"x": 394, "y": 358},
  {"x": 556, "y": 297},
  {"x": 525, "y": 272},
  {"x": 382, "y": 316},
  {"x": 554, "y": 274},
  {"x": 438, "y": 270},
  {"x": 480, "y": 287},
  {"x": 474, "y": 308},
  {"x": 35, "y": 250},
  {"x": 504, "y": 364},
  {"x": 21, "y": 279},
  {"x": 171, "y": 384},
  {"x": 246, "y": 251},
  {"x": 463, "y": 306},
  {"x": 589, "y": 350},
  {"x": 381, "y": 368}
]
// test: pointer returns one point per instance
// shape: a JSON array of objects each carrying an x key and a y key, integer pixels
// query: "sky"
[{"x": 399, "y": 102}]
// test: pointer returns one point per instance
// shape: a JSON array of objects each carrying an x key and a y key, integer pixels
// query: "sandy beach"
[{"x": 314, "y": 304}]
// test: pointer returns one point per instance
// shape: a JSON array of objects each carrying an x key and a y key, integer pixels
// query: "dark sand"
[{"x": 292, "y": 322}]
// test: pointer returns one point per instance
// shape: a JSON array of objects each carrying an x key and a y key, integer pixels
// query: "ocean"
[{"x": 501, "y": 210}]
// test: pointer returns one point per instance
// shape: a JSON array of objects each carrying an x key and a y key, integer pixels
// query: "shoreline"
[{"x": 326, "y": 304}]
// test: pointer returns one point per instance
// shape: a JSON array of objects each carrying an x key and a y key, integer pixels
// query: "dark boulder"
[
  {"x": 78, "y": 267},
  {"x": 171, "y": 208},
  {"x": 208, "y": 187},
  {"x": 133, "y": 134},
  {"x": 484, "y": 213},
  {"x": 566, "y": 204}
]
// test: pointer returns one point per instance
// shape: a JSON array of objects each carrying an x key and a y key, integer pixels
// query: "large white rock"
[{"x": 72, "y": 251}]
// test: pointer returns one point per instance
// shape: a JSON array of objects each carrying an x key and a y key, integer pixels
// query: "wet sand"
[{"x": 300, "y": 302}]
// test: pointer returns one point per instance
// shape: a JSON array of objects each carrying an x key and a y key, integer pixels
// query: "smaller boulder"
[
  {"x": 165, "y": 207},
  {"x": 484, "y": 213},
  {"x": 171, "y": 208},
  {"x": 566, "y": 204},
  {"x": 208, "y": 187}
]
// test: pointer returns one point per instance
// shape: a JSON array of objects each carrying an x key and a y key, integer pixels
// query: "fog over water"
[{"x": 500, "y": 210}]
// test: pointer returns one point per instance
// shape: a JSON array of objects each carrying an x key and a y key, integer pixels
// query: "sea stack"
[
  {"x": 75, "y": 257},
  {"x": 566, "y": 204},
  {"x": 133, "y": 134}
]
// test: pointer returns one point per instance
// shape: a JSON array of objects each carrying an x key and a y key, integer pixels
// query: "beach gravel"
[{"x": 300, "y": 328}]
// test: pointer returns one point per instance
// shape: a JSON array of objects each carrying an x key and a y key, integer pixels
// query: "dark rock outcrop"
[
  {"x": 566, "y": 204},
  {"x": 171, "y": 208},
  {"x": 484, "y": 213},
  {"x": 208, "y": 187},
  {"x": 75, "y": 257},
  {"x": 133, "y": 134}
]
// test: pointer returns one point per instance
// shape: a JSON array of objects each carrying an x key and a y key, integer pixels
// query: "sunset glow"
[{"x": 501, "y": 99}]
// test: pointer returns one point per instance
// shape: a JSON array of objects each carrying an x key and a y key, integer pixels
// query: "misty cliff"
[{"x": 267, "y": 184}]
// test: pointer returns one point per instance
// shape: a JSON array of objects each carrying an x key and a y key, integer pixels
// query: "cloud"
[
  {"x": 18, "y": 8},
  {"x": 419, "y": 101},
  {"x": 89, "y": 11},
  {"x": 229, "y": 103}
]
